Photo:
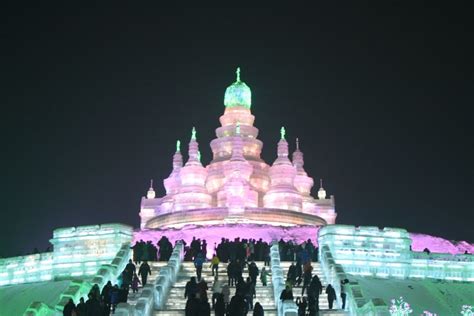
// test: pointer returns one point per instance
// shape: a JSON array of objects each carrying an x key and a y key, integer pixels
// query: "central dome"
[{"x": 238, "y": 94}]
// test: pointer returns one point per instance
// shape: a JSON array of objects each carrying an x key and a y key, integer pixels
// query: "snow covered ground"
[
  {"x": 14, "y": 299},
  {"x": 440, "y": 297}
]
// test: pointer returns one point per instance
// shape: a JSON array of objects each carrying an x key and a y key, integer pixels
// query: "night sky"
[{"x": 94, "y": 99}]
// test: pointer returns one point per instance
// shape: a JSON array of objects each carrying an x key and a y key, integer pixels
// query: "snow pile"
[{"x": 15, "y": 299}]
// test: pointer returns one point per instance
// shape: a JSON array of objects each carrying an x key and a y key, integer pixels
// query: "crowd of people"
[
  {"x": 147, "y": 251},
  {"x": 240, "y": 255},
  {"x": 102, "y": 303},
  {"x": 301, "y": 272}
]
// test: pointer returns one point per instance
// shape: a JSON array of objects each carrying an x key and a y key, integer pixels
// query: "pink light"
[
  {"x": 213, "y": 234},
  {"x": 440, "y": 245}
]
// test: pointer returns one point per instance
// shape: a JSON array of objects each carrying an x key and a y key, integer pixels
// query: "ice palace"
[{"x": 238, "y": 194}]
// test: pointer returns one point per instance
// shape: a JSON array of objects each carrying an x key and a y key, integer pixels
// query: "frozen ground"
[
  {"x": 440, "y": 297},
  {"x": 14, "y": 299}
]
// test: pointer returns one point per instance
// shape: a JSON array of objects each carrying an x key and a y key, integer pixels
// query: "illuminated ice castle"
[
  {"x": 237, "y": 186},
  {"x": 239, "y": 195}
]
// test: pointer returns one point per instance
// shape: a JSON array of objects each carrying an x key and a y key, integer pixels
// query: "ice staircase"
[
  {"x": 323, "y": 302},
  {"x": 155, "y": 267},
  {"x": 175, "y": 303}
]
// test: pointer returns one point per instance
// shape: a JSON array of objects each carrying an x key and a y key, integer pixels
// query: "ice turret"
[
  {"x": 172, "y": 182},
  {"x": 282, "y": 193},
  {"x": 192, "y": 193},
  {"x": 302, "y": 182},
  {"x": 151, "y": 192}
]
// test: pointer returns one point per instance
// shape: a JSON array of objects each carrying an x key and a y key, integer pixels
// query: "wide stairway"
[
  {"x": 155, "y": 267},
  {"x": 323, "y": 302},
  {"x": 176, "y": 302}
]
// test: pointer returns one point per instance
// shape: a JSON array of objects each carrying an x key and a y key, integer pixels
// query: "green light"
[
  {"x": 282, "y": 132},
  {"x": 238, "y": 93},
  {"x": 193, "y": 134},
  {"x": 178, "y": 145},
  {"x": 199, "y": 156}
]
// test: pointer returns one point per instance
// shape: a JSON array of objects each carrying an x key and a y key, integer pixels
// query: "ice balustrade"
[
  {"x": 26, "y": 269},
  {"x": 80, "y": 288},
  {"x": 78, "y": 252},
  {"x": 356, "y": 302},
  {"x": 284, "y": 308},
  {"x": 153, "y": 296},
  {"x": 370, "y": 251}
]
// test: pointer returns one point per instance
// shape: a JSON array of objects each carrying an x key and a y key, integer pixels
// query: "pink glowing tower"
[{"x": 238, "y": 186}]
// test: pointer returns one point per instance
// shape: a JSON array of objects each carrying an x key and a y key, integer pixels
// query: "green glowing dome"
[{"x": 238, "y": 93}]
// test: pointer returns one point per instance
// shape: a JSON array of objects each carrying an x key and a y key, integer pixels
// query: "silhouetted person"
[
  {"x": 331, "y": 295},
  {"x": 286, "y": 294},
  {"x": 93, "y": 306},
  {"x": 81, "y": 307},
  {"x": 192, "y": 306},
  {"x": 135, "y": 282},
  {"x": 258, "y": 310},
  {"x": 144, "y": 271},
  {"x": 237, "y": 306},
  {"x": 302, "y": 304},
  {"x": 292, "y": 274},
  {"x": 263, "y": 276},
  {"x": 69, "y": 308},
  {"x": 114, "y": 297},
  {"x": 253, "y": 272},
  {"x": 105, "y": 295},
  {"x": 343, "y": 293},
  {"x": 130, "y": 266},
  {"x": 191, "y": 288},
  {"x": 219, "y": 306}
]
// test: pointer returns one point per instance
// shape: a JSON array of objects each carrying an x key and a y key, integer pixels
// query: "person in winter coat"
[
  {"x": 291, "y": 275},
  {"x": 219, "y": 306},
  {"x": 258, "y": 310},
  {"x": 307, "y": 275},
  {"x": 286, "y": 294},
  {"x": 69, "y": 308},
  {"x": 216, "y": 290},
  {"x": 135, "y": 282},
  {"x": 144, "y": 271},
  {"x": 302, "y": 304},
  {"x": 198, "y": 262},
  {"x": 191, "y": 288},
  {"x": 226, "y": 294},
  {"x": 114, "y": 297},
  {"x": 263, "y": 276},
  {"x": 331, "y": 295},
  {"x": 81, "y": 307},
  {"x": 215, "y": 264}
]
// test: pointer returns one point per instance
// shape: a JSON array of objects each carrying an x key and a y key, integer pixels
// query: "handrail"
[
  {"x": 287, "y": 307},
  {"x": 153, "y": 296}
]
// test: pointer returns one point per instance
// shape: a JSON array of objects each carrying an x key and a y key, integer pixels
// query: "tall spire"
[
  {"x": 282, "y": 132},
  {"x": 297, "y": 144},
  {"x": 178, "y": 146},
  {"x": 237, "y": 72},
  {"x": 193, "y": 150}
]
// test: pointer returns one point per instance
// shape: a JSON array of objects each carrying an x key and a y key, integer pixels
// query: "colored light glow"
[{"x": 238, "y": 94}]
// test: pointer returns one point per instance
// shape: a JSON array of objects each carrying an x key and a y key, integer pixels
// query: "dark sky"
[{"x": 94, "y": 98}]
